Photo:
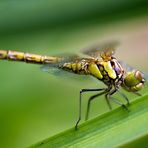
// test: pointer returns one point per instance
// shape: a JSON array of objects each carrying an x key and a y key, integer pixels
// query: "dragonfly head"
[{"x": 134, "y": 81}]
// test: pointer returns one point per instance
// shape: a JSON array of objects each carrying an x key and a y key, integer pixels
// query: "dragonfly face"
[{"x": 134, "y": 81}]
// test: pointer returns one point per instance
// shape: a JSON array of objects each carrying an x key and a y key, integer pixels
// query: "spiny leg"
[
  {"x": 108, "y": 102},
  {"x": 136, "y": 93},
  {"x": 109, "y": 96},
  {"x": 119, "y": 103},
  {"x": 124, "y": 96},
  {"x": 80, "y": 103},
  {"x": 89, "y": 102}
]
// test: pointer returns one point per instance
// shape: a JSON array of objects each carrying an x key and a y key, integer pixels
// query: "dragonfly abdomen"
[{"x": 26, "y": 57}]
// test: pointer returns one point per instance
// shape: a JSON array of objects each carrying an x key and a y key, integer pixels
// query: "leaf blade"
[{"x": 111, "y": 129}]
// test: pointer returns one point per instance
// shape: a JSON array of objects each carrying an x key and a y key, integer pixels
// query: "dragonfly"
[{"x": 99, "y": 62}]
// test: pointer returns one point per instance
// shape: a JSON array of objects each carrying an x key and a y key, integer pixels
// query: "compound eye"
[{"x": 139, "y": 76}]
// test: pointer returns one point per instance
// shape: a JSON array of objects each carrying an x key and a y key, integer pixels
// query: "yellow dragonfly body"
[{"x": 100, "y": 64}]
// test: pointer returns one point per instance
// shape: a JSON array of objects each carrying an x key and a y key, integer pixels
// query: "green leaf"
[{"x": 117, "y": 128}]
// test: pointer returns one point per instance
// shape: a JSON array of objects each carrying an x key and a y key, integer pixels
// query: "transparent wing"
[
  {"x": 54, "y": 68},
  {"x": 97, "y": 49},
  {"x": 126, "y": 66},
  {"x": 57, "y": 72},
  {"x": 68, "y": 57}
]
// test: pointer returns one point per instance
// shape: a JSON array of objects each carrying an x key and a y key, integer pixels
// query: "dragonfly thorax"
[
  {"x": 107, "y": 71},
  {"x": 111, "y": 71}
]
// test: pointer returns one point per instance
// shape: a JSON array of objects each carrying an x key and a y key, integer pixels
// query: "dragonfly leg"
[
  {"x": 80, "y": 102},
  {"x": 90, "y": 100},
  {"x": 108, "y": 102},
  {"x": 109, "y": 96},
  {"x": 119, "y": 103},
  {"x": 124, "y": 96},
  {"x": 136, "y": 93}
]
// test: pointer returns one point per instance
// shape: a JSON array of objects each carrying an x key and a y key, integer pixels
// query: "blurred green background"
[{"x": 35, "y": 105}]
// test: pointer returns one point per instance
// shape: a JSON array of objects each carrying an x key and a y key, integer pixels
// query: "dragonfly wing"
[
  {"x": 57, "y": 72},
  {"x": 96, "y": 50},
  {"x": 126, "y": 66},
  {"x": 50, "y": 69},
  {"x": 67, "y": 57},
  {"x": 54, "y": 68}
]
